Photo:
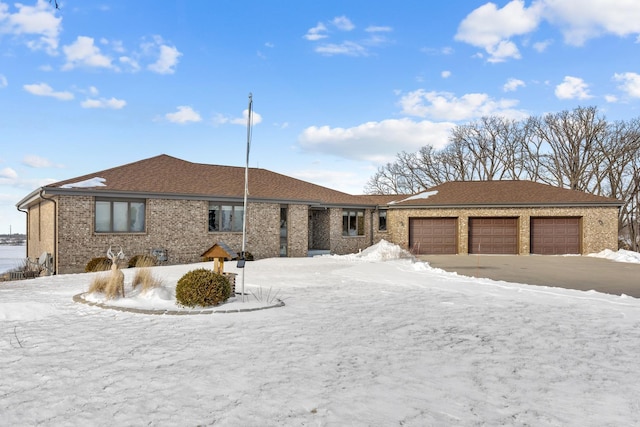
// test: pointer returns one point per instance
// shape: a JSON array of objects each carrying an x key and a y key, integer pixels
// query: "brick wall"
[
  {"x": 298, "y": 230},
  {"x": 178, "y": 226},
  {"x": 599, "y": 224},
  {"x": 340, "y": 244},
  {"x": 40, "y": 225},
  {"x": 379, "y": 235},
  {"x": 263, "y": 230}
]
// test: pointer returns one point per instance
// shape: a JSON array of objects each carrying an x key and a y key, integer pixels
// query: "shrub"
[
  {"x": 108, "y": 284},
  {"x": 141, "y": 261},
  {"x": 145, "y": 277},
  {"x": 115, "y": 285},
  {"x": 202, "y": 287},
  {"x": 98, "y": 264},
  {"x": 98, "y": 284}
]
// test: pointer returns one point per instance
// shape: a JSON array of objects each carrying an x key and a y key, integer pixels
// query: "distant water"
[{"x": 11, "y": 257}]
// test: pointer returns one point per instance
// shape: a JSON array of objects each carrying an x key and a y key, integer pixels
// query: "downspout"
[
  {"x": 55, "y": 230},
  {"x": 26, "y": 243}
]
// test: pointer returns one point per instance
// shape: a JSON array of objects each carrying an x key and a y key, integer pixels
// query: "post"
[{"x": 246, "y": 192}]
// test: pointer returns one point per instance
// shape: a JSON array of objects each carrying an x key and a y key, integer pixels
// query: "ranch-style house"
[{"x": 175, "y": 209}]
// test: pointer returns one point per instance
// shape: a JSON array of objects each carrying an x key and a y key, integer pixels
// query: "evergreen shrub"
[{"x": 203, "y": 288}]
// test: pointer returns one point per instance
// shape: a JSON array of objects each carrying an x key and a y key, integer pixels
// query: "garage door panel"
[
  {"x": 433, "y": 235},
  {"x": 555, "y": 236},
  {"x": 493, "y": 235}
]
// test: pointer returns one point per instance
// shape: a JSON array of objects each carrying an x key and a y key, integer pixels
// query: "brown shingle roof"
[
  {"x": 164, "y": 174},
  {"x": 500, "y": 193}
]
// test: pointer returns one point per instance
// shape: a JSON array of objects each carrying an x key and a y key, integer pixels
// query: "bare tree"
[{"x": 572, "y": 139}]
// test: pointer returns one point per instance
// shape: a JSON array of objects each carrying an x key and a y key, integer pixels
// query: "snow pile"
[
  {"x": 89, "y": 183},
  {"x": 381, "y": 251},
  {"x": 424, "y": 195},
  {"x": 620, "y": 256}
]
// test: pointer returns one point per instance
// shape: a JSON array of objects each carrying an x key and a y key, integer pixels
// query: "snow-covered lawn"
[{"x": 375, "y": 339}]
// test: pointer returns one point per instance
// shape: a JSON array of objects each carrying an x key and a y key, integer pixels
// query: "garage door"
[
  {"x": 433, "y": 235},
  {"x": 493, "y": 235},
  {"x": 555, "y": 236}
]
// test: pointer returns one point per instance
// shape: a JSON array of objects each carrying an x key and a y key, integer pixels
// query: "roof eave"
[
  {"x": 507, "y": 205},
  {"x": 187, "y": 196},
  {"x": 29, "y": 199}
]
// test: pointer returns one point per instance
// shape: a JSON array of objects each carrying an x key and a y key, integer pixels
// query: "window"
[
  {"x": 382, "y": 220},
  {"x": 225, "y": 217},
  {"x": 120, "y": 216},
  {"x": 352, "y": 222}
]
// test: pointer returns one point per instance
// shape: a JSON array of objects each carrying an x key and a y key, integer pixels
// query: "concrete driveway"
[{"x": 571, "y": 272}]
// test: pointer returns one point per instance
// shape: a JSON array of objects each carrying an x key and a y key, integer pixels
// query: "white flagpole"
[{"x": 246, "y": 192}]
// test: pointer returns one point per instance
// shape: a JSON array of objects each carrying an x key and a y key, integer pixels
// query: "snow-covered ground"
[{"x": 373, "y": 339}]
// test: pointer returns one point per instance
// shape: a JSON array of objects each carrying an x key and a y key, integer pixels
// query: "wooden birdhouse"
[{"x": 219, "y": 252}]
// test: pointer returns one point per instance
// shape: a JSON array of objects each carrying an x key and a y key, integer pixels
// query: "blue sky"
[{"x": 339, "y": 87}]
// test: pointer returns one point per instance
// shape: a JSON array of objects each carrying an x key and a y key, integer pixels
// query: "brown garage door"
[
  {"x": 435, "y": 236},
  {"x": 493, "y": 235},
  {"x": 555, "y": 236}
]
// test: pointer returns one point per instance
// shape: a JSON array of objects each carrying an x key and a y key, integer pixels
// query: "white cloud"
[
  {"x": 611, "y": 98},
  {"x": 542, "y": 46},
  {"x": 167, "y": 60},
  {"x": 491, "y": 28},
  {"x": 488, "y": 26},
  {"x": 38, "y": 162},
  {"x": 349, "y": 182},
  {"x": 43, "y": 89},
  {"x": 8, "y": 173},
  {"x": 3, "y": 82},
  {"x": 504, "y": 50},
  {"x": 377, "y": 142},
  {"x": 316, "y": 33},
  {"x": 512, "y": 85},
  {"x": 185, "y": 114},
  {"x": 133, "y": 64},
  {"x": 348, "y": 48},
  {"x": 581, "y": 20},
  {"x": 343, "y": 23},
  {"x": 447, "y": 50},
  {"x": 221, "y": 119},
  {"x": 112, "y": 103},
  {"x": 572, "y": 88},
  {"x": 445, "y": 74},
  {"x": 39, "y": 21},
  {"x": 630, "y": 83},
  {"x": 378, "y": 29},
  {"x": 373, "y": 36},
  {"x": 83, "y": 52},
  {"x": 446, "y": 106}
]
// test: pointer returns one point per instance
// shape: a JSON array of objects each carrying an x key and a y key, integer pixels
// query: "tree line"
[{"x": 577, "y": 149}]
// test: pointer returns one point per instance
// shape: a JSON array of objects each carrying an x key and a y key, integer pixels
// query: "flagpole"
[{"x": 246, "y": 192}]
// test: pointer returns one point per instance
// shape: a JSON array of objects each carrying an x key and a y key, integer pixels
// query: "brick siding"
[{"x": 599, "y": 224}]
